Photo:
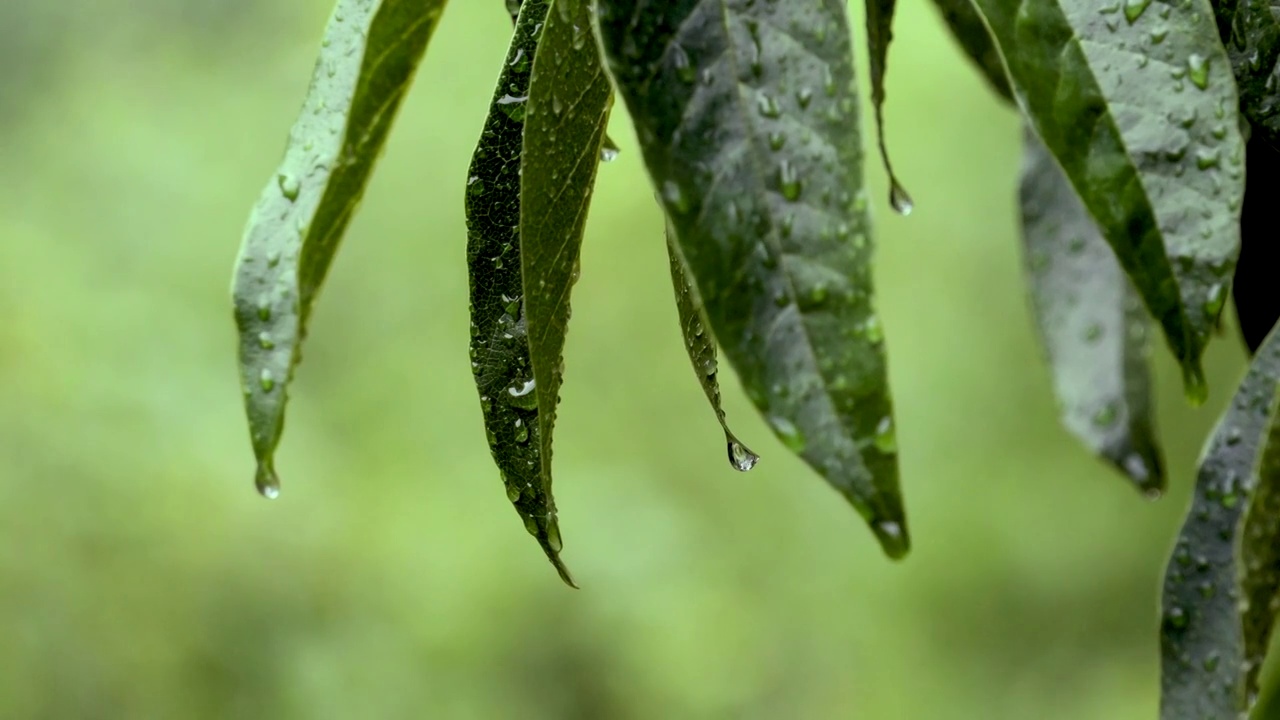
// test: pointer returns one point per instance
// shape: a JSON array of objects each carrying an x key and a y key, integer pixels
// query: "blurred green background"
[{"x": 142, "y": 577}]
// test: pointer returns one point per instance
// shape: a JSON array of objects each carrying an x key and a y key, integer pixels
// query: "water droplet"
[
  {"x": 1234, "y": 436},
  {"x": 1133, "y": 9},
  {"x": 1215, "y": 301},
  {"x": 675, "y": 197},
  {"x": 266, "y": 482},
  {"x": 1106, "y": 415},
  {"x": 776, "y": 141},
  {"x": 886, "y": 439},
  {"x": 609, "y": 151},
  {"x": 899, "y": 200},
  {"x": 1207, "y": 158},
  {"x": 767, "y": 106},
  {"x": 289, "y": 184},
  {"x": 513, "y": 106},
  {"x": 522, "y": 431},
  {"x": 265, "y": 341},
  {"x": 788, "y": 181},
  {"x": 553, "y": 534},
  {"x": 804, "y": 96},
  {"x": 1198, "y": 70},
  {"x": 521, "y": 394},
  {"x": 1176, "y": 618},
  {"x": 1093, "y": 333},
  {"x": 740, "y": 456},
  {"x": 684, "y": 69},
  {"x": 513, "y": 492}
]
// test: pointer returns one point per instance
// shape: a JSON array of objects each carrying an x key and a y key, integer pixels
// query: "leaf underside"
[
  {"x": 1139, "y": 107},
  {"x": 1211, "y": 648},
  {"x": 527, "y": 195},
  {"x": 367, "y": 60},
  {"x": 700, "y": 344},
  {"x": 748, "y": 122},
  {"x": 1090, "y": 322}
]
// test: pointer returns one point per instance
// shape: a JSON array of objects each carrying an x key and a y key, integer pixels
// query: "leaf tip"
[{"x": 893, "y": 537}]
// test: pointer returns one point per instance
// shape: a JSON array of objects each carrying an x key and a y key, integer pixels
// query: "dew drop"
[
  {"x": 521, "y": 394},
  {"x": 265, "y": 341},
  {"x": 266, "y": 380},
  {"x": 899, "y": 200},
  {"x": 513, "y": 492},
  {"x": 289, "y": 184},
  {"x": 740, "y": 456},
  {"x": 886, "y": 439},
  {"x": 1176, "y": 618},
  {"x": 684, "y": 69},
  {"x": 675, "y": 197},
  {"x": 1215, "y": 301},
  {"x": 513, "y": 106},
  {"x": 522, "y": 431},
  {"x": 1198, "y": 70},
  {"x": 266, "y": 482}
]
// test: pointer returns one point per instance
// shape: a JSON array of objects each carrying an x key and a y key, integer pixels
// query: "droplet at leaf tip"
[
  {"x": 740, "y": 456},
  {"x": 266, "y": 481},
  {"x": 893, "y": 537}
]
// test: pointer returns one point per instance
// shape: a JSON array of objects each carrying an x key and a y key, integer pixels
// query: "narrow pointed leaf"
[
  {"x": 1212, "y": 636},
  {"x": 1258, "y": 271},
  {"x": 748, "y": 121},
  {"x": 879, "y": 35},
  {"x": 1148, "y": 134},
  {"x": 569, "y": 101},
  {"x": 1251, "y": 31},
  {"x": 700, "y": 343},
  {"x": 1090, "y": 321},
  {"x": 527, "y": 196},
  {"x": 971, "y": 34},
  {"x": 367, "y": 60}
]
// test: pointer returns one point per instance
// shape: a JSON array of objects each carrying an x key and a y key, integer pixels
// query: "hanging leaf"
[
  {"x": 1213, "y": 637},
  {"x": 748, "y": 121},
  {"x": 367, "y": 59},
  {"x": 527, "y": 197},
  {"x": 1254, "y": 287},
  {"x": 701, "y": 346},
  {"x": 879, "y": 35},
  {"x": 971, "y": 33},
  {"x": 1148, "y": 134},
  {"x": 1090, "y": 321}
]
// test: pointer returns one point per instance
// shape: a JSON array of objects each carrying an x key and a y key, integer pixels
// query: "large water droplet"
[
  {"x": 899, "y": 200},
  {"x": 266, "y": 482},
  {"x": 521, "y": 394},
  {"x": 675, "y": 197},
  {"x": 513, "y": 492},
  {"x": 740, "y": 456}
]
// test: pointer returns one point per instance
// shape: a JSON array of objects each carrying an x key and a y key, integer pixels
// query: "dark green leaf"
[
  {"x": 1139, "y": 107},
  {"x": 1211, "y": 645},
  {"x": 701, "y": 346},
  {"x": 367, "y": 59},
  {"x": 879, "y": 35},
  {"x": 527, "y": 196},
  {"x": 1091, "y": 323},
  {"x": 569, "y": 101},
  {"x": 748, "y": 121},
  {"x": 1251, "y": 31},
  {"x": 971, "y": 33},
  {"x": 1254, "y": 286}
]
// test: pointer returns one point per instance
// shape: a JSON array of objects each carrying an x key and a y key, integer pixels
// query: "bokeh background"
[{"x": 142, "y": 577}]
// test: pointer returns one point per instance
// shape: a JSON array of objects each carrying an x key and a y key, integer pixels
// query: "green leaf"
[
  {"x": 527, "y": 196},
  {"x": 367, "y": 59},
  {"x": 1213, "y": 638},
  {"x": 569, "y": 101},
  {"x": 1251, "y": 31},
  {"x": 879, "y": 35},
  {"x": 1139, "y": 107},
  {"x": 700, "y": 343},
  {"x": 1090, "y": 321},
  {"x": 747, "y": 117},
  {"x": 971, "y": 33}
]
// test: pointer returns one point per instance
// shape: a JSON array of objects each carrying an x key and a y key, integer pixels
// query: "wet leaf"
[
  {"x": 879, "y": 35},
  {"x": 569, "y": 101},
  {"x": 747, "y": 118},
  {"x": 527, "y": 197},
  {"x": 1139, "y": 107},
  {"x": 367, "y": 59},
  {"x": 700, "y": 343},
  {"x": 1251, "y": 31},
  {"x": 971, "y": 33},
  {"x": 1212, "y": 637},
  {"x": 1254, "y": 287},
  {"x": 1090, "y": 321}
]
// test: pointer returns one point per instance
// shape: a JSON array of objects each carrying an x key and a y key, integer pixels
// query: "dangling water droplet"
[
  {"x": 740, "y": 456},
  {"x": 289, "y": 184},
  {"x": 609, "y": 150},
  {"x": 899, "y": 200},
  {"x": 266, "y": 482}
]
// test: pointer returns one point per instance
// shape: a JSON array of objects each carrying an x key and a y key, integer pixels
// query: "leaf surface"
[
  {"x": 1090, "y": 322},
  {"x": 527, "y": 196},
  {"x": 1138, "y": 105},
  {"x": 1213, "y": 637},
  {"x": 701, "y": 346},
  {"x": 747, "y": 118},
  {"x": 968, "y": 30},
  {"x": 367, "y": 60}
]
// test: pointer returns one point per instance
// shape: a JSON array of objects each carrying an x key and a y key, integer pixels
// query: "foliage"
[{"x": 1137, "y": 117}]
